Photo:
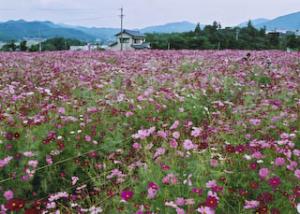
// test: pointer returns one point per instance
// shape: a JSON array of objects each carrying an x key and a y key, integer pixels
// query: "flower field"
[{"x": 150, "y": 132}]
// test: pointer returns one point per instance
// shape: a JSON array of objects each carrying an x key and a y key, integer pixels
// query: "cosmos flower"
[
  {"x": 205, "y": 210},
  {"x": 15, "y": 204},
  {"x": 264, "y": 172},
  {"x": 251, "y": 204},
  {"x": 126, "y": 195},
  {"x": 279, "y": 161},
  {"x": 297, "y": 173},
  {"x": 8, "y": 194},
  {"x": 255, "y": 122},
  {"x": 188, "y": 145},
  {"x": 211, "y": 202}
]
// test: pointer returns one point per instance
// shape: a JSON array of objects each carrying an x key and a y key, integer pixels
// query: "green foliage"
[
  {"x": 23, "y": 46},
  {"x": 59, "y": 43},
  {"x": 215, "y": 37},
  {"x": 10, "y": 46}
]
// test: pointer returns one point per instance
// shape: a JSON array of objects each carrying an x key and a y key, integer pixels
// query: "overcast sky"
[{"x": 142, "y": 13}]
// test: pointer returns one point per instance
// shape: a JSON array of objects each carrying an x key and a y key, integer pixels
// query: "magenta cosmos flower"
[
  {"x": 126, "y": 195},
  {"x": 274, "y": 181}
]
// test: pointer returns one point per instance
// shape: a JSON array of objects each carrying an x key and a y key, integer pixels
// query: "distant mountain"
[
  {"x": 103, "y": 34},
  {"x": 18, "y": 30},
  {"x": 287, "y": 22},
  {"x": 176, "y": 27},
  {"x": 255, "y": 22}
]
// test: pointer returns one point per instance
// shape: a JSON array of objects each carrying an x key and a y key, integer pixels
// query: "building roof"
[
  {"x": 132, "y": 33},
  {"x": 145, "y": 45},
  {"x": 113, "y": 44}
]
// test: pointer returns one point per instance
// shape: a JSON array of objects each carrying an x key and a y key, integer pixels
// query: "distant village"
[{"x": 127, "y": 40}]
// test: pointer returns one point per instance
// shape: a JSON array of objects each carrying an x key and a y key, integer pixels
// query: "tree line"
[
  {"x": 53, "y": 44},
  {"x": 215, "y": 37}
]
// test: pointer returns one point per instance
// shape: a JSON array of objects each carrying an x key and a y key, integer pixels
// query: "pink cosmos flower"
[
  {"x": 188, "y": 145},
  {"x": 144, "y": 133},
  {"x": 180, "y": 201},
  {"x": 58, "y": 196},
  {"x": 251, "y": 204},
  {"x": 279, "y": 161},
  {"x": 173, "y": 143},
  {"x": 264, "y": 172},
  {"x": 176, "y": 135},
  {"x": 255, "y": 122},
  {"x": 214, "y": 162},
  {"x": 292, "y": 165},
  {"x": 206, "y": 210},
  {"x": 33, "y": 163},
  {"x": 189, "y": 201},
  {"x": 180, "y": 211},
  {"x": 137, "y": 146},
  {"x": 162, "y": 134},
  {"x": 128, "y": 114},
  {"x": 196, "y": 132},
  {"x": 297, "y": 173},
  {"x": 257, "y": 155},
  {"x": 5, "y": 161},
  {"x": 8, "y": 195},
  {"x": 74, "y": 180},
  {"x": 49, "y": 160},
  {"x": 174, "y": 125},
  {"x": 61, "y": 110},
  {"x": 151, "y": 193},
  {"x": 211, "y": 184},
  {"x": 28, "y": 154},
  {"x": 159, "y": 152},
  {"x": 170, "y": 179},
  {"x": 296, "y": 152},
  {"x": 88, "y": 138}
]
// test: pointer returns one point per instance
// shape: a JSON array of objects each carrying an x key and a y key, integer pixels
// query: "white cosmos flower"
[{"x": 247, "y": 157}]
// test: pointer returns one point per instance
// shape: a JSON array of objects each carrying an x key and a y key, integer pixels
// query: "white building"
[
  {"x": 88, "y": 47},
  {"x": 132, "y": 40}
]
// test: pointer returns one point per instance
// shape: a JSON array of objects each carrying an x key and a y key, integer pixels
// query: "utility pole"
[
  {"x": 237, "y": 32},
  {"x": 122, "y": 17},
  {"x": 40, "y": 45}
]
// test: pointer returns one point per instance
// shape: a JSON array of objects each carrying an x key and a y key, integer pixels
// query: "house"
[
  {"x": 131, "y": 40},
  {"x": 88, "y": 47}
]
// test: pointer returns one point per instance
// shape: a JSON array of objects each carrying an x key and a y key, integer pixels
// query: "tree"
[
  {"x": 197, "y": 29},
  {"x": 11, "y": 46},
  {"x": 23, "y": 46},
  {"x": 274, "y": 39},
  {"x": 292, "y": 41}
]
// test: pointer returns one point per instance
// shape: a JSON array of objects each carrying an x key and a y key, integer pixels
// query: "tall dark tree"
[
  {"x": 23, "y": 46},
  {"x": 292, "y": 41},
  {"x": 198, "y": 29}
]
